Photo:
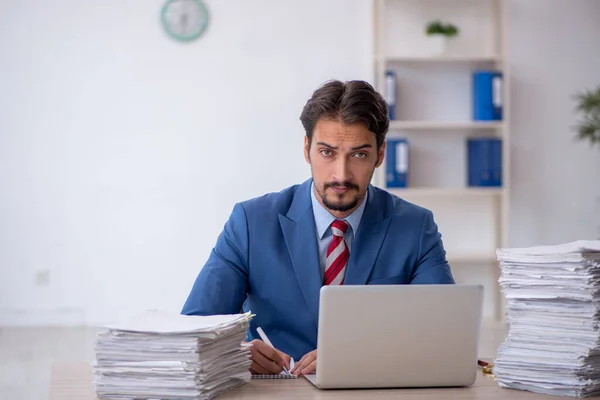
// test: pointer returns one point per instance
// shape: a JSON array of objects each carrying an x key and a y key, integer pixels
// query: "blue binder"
[
  {"x": 397, "y": 163},
  {"x": 487, "y": 96},
  {"x": 496, "y": 163},
  {"x": 484, "y": 162},
  {"x": 390, "y": 93}
]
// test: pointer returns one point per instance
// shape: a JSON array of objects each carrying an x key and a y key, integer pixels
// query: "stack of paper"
[
  {"x": 170, "y": 356},
  {"x": 553, "y": 308}
]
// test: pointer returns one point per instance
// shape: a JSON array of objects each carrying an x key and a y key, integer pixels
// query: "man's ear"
[
  {"x": 306, "y": 149},
  {"x": 381, "y": 154}
]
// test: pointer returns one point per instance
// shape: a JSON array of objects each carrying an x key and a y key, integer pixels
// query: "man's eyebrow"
[
  {"x": 362, "y": 146},
  {"x": 326, "y": 145}
]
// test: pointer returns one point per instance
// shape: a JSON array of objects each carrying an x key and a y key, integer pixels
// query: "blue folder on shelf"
[
  {"x": 487, "y": 96},
  {"x": 396, "y": 163},
  {"x": 484, "y": 162},
  {"x": 390, "y": 93}
]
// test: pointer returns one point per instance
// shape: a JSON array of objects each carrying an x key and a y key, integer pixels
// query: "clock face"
[{"x": 184, "y": 20}]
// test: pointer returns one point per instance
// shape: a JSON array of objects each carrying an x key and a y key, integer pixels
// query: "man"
[{"x": 277, "y": 251}]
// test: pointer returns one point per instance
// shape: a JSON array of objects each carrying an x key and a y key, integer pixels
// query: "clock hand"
[{"x": 184, "y": 22}]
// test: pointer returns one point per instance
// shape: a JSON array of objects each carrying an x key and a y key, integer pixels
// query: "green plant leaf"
[
  {"x": 434, "y": 28},
  {"x": 451, "y": 30},
  {"x": 589, "y": 101},
  {"x": 588, "y": 105}
]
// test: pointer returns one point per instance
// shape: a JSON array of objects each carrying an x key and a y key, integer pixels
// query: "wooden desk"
[{"x": 74, "y": 381}]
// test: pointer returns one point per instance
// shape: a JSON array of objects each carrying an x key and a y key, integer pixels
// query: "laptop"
[{"x": 396, "y": 336}]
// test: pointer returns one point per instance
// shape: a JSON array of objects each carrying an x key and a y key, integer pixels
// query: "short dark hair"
[{"x": 348, "y": 102}]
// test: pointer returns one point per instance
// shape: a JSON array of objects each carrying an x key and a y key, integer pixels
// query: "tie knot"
[{"x": 339, "y": 227}]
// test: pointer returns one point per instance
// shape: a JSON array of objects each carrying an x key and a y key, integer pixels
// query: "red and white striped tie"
[{"x": 337, "y": 255}]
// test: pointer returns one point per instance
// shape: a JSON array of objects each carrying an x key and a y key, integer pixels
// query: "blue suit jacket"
[{"x": 266, "y": 260}]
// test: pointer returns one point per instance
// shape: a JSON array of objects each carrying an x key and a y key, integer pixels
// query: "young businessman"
[{"x": 277, "y": 251}]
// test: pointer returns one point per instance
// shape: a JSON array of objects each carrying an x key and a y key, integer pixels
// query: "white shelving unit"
[
  {"x": 443, "y": 125},
  {"x": 433, "y": 112},
  {"x": 439, "y": 59},
  {"x": 446, "y": 192},
  {"x": 468, "y": 258}
]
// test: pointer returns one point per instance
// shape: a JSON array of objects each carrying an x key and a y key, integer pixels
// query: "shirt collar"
[{"x": 323, "y": 218}]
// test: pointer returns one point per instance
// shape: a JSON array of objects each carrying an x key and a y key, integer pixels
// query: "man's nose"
[{"x": 342, "y": 171}]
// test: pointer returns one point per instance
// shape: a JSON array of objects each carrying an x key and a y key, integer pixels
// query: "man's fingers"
[
  {"x": 310, "y": 369},
  {"x": 298, "y": 368},
  {"x": 258, "y": 369},
  {"x": 269, "y": 359},
  {"x": 286, "y": 359},
  {"x": 304, "y": 362},
  {"x": 298, "y": 365},
  {"x": 267, "y": 364},
  {"x": 267, "y": 352}
]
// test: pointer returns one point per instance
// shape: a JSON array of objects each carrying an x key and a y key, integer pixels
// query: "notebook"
[{"x": 281, "y": 375}]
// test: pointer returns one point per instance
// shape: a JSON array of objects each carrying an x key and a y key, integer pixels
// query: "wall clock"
[{"x": 184, "y": 20}]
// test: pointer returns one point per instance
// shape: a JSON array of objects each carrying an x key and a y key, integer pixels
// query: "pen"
[{"x": 265, "y": 339}]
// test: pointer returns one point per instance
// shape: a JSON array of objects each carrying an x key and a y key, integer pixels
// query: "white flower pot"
[{"x": 437, "y": 45}]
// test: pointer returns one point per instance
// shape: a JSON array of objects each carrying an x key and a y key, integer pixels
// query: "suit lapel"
[
  {"x": 298, "y": 228},
  {"x": 367, "y": 242}
]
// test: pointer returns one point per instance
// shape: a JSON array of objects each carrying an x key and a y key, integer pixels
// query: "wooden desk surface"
[{"x": 74, "y": 381}]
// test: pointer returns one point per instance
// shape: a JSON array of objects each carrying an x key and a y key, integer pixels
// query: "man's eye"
[
  {"x": 326, "y": 152},
  {"x": 360, "y": 155}
]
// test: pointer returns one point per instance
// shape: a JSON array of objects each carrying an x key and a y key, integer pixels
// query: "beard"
[{"x": 335, "y": 201}]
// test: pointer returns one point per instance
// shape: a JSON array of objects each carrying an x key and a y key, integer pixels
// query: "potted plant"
[
  {"x": 438, "y": 34},
  {"x": 588, "y": 104}
]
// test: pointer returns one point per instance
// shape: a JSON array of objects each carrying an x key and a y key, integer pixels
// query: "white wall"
[
  {"x": 122, "y": 152},
  {"x": 555, "y": 52}
]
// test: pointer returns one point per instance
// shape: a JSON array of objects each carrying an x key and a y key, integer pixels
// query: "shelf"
[
  {"x": 435, "y": 125},
  {"x": 433, "y": 98},
  {"x": 446, "y": 192},
  {"x": 439, "y": 59},
  {"x": 470, "y": 257}
]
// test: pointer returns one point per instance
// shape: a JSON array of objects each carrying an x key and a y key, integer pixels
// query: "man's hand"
[
  {"x": 306, "y": 365},
  {"x": 267, "y": 360}
]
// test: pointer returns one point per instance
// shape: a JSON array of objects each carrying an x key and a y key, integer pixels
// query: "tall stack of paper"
[
  {"x": 553, "y": 308},
  {"x": 170, "y": 356}
]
